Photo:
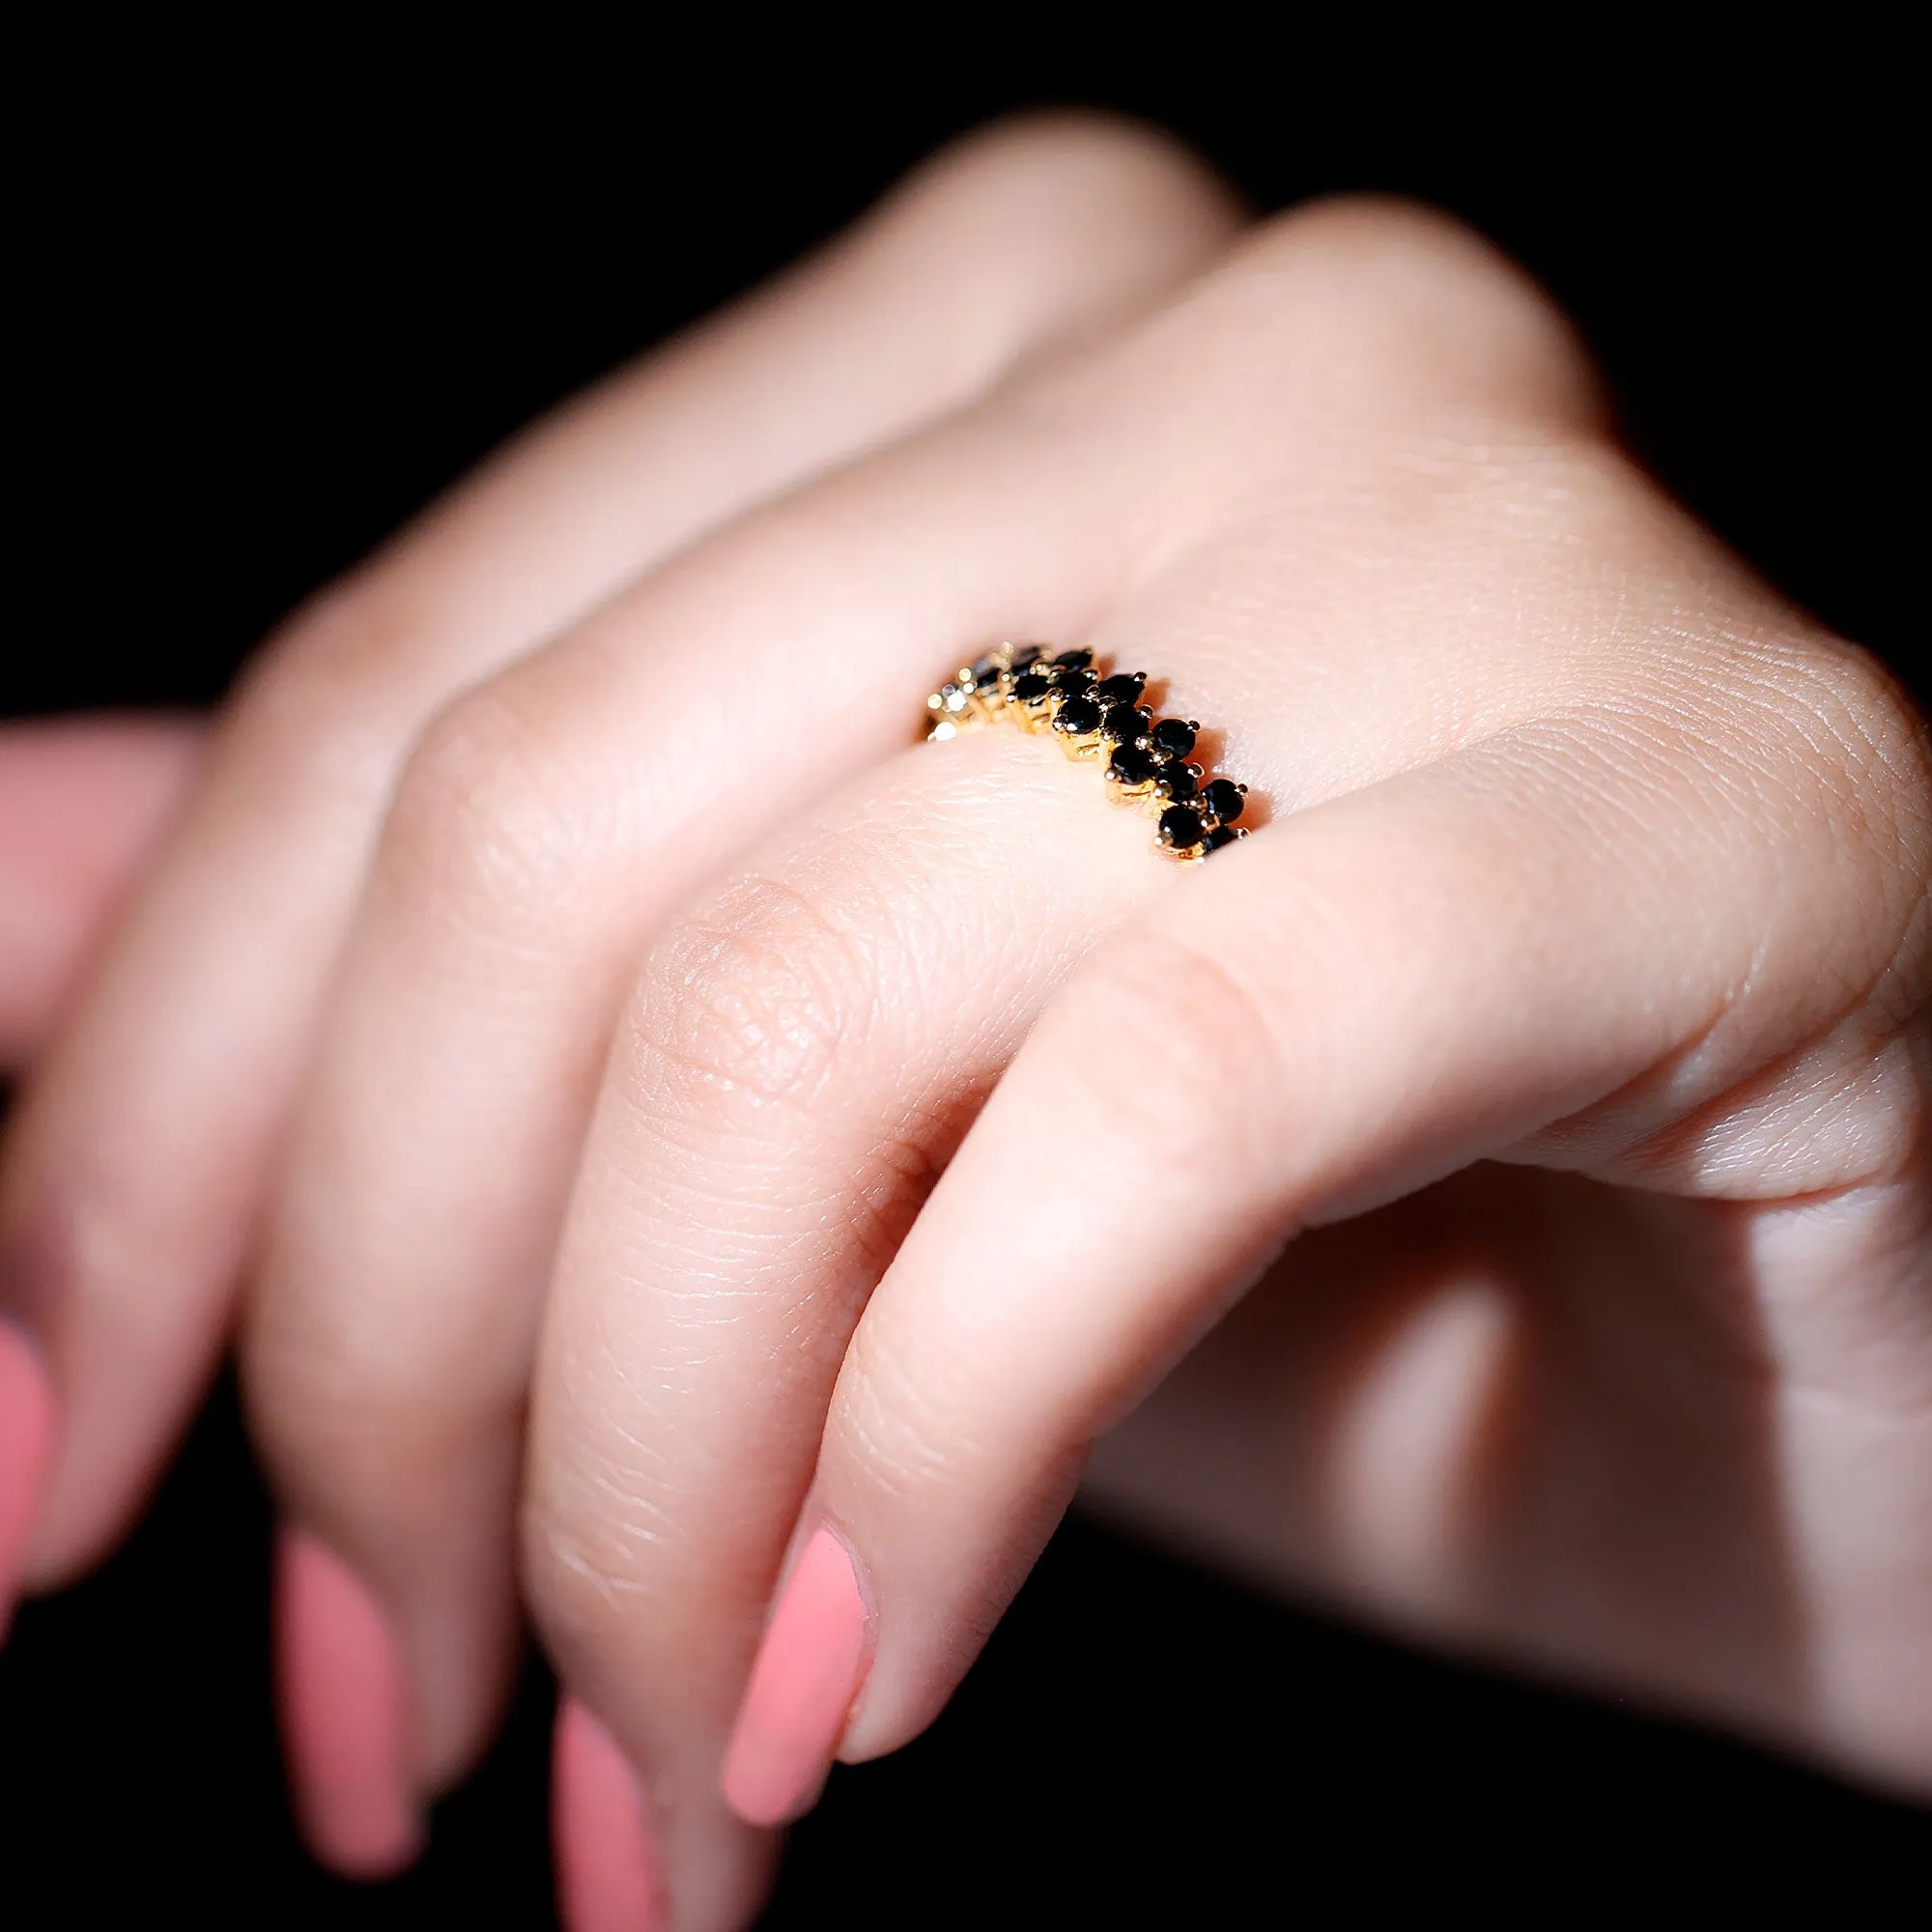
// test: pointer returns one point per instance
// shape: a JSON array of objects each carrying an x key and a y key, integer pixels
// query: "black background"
[{"x": 279, "y": 291}]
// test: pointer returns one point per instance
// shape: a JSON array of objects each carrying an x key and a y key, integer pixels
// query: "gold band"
[{"x": 1097, "y": 715}]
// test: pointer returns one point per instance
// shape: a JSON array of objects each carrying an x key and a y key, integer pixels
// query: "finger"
[
  {"x": 196, "y": 1030},
  {"x": 672, "y": 1486},
  {"x": 1554, "y": 947},
  {"x": 607, "y": 1877},
  {"x": 803, "y": 1050},
  {"x": 340, "y": 1695},
  {"x": 26, "y": 1430},
  {"x": 83, "y": 802}
]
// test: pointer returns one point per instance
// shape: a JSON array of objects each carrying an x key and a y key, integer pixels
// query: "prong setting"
[{"x": 1095, "y": 714}]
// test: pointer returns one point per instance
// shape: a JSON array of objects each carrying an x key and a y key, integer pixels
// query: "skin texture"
[{"x": 1495, "y": 1196}]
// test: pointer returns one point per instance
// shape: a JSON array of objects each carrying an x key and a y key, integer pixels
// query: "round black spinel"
[
  {"x": 1174, "y": 735},
  {"x": 1071, "y": 683},
  {"x": 1125, "y": 722},
  {"x": 1077, "y": 717},
  {"x": 1030, "y": 687},
  {"x": 1130, "y": 765},
  {"x": 1027, "y": 654},
  {"x": 1073, "y": 661},
  {"x": 1179, "y": 781},
  {"x": 1222, "y": 834},
  {"x": 985, "y": 673},
  {"x": 1180, "y": 829},
  {"x": 1122, "y": 688},
  {"x": 1223, "y": 798}
]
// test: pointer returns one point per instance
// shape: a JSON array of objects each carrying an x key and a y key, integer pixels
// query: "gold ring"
[{"x": 1095, "y": 714}]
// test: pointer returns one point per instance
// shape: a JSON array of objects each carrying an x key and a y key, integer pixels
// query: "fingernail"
[
  {"x": 806, "y": 1674},
  {"x": 344, "y": 1715},
  {"x": 607, "y": 1866},
  {"x": 26, "y": 1435}
]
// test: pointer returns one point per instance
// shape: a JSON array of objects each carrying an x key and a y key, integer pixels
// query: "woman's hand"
[{"x": 831, "y": 1141}]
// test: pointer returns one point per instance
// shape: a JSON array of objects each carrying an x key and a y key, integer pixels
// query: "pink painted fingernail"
[
  {"x": 344, "y": 1715},
  {"x": 26, "y": 1435},
  {"x": 807, "y": 1672},
  {"x": 607, "y": 1867}
]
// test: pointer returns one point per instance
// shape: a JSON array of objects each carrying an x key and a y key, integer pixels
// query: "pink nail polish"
[
  {"x": 26, "y": 1435},
  {"x": 607, "y": 1867},
  {"x": 807, "y": 1672},
  {"x": 344, "y": 1715}
]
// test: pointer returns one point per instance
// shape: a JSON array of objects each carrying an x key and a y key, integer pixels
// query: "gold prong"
[{"x": 965, "y": 703}]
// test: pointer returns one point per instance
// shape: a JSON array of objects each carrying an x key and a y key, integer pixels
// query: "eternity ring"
[{"x": 1095, "y": 715}]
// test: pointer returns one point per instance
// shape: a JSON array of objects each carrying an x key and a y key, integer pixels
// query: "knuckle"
[
  {"x": 582, "y": 1574},
  {"x": 331, "y": 1418},
  {"x": 1201, "y": 1052},
  {"x": 492, "y": 812},
  {"x": 1039, "y": 230},
  {"x": 1869, "y": 741},
  {"x": 1064, "y": 169},
  {"x": 1383, "y": 303},
  {"x": 1819, "y": 737},
  {"x": 751, "y": 1004},
  {"x": 897, "y": 1420},
  {"x": 572, "y": 1604},
  {"x": 354, "y": 631},
  {"x": 322, "y": 704},
  {"x": 618, "y": 1541},
  {"x": 1861, "y": 750}
]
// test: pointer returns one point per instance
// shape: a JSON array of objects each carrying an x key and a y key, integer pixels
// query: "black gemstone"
[
  {"x": 1223, "y": 798},
  {"x": 1180, "y": 829},
  {"x": 1073, "y": 661},
  {"x": 1174, "y": 735},
  {"x": 1071, "y": 683},
  {"x": 1026, "y": 654},
  {"x": 1077, "y": 717},
  {"x": 1222, "y": 834},
  {"x": 1130, "y": 765},
  {"x": 1030, "y": 687},
  {"x": 1122, "y": 688},
  {"x": 1125, "y": 722},
  {"x": 1179, "y": 781},
  {"x": 985, "y": 673}
]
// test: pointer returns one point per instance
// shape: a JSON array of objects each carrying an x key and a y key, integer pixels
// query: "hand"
[
  {"x": 122, "y": 1260},
  {"x": 1573, "y": 1001}
]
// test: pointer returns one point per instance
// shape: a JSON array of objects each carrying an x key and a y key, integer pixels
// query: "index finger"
[{"x": 1557, "y": 947}]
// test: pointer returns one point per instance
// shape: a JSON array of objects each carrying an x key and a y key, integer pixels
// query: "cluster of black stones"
[{"x": 1102, "y": 716}]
